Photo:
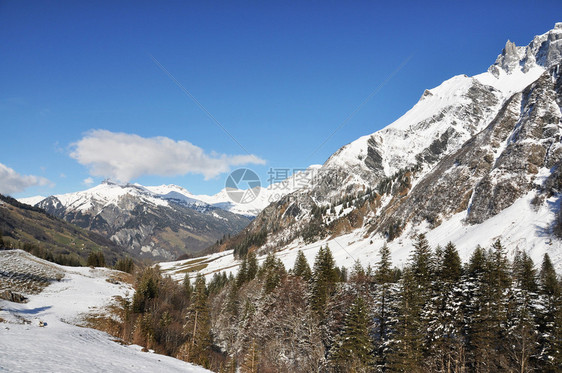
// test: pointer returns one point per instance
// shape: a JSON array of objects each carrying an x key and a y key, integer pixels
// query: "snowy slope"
[
  {"x": 61, "y": 346},
  {"x": 520, "y": 226},
  {"x": 32, "y": 201}
]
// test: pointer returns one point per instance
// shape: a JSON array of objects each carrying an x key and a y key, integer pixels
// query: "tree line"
[{"x": 434, "y": 315}]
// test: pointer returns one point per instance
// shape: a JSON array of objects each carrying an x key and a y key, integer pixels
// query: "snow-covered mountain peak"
[
  {"x": 441, "y": 120},
  {"x": 167, "y": 188},
  {"x": 449, "y": 114},
  {"x": 543, "y": 51}
]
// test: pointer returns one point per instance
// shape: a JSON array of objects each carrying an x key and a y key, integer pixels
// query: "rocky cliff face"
[
  {"x": 143, "y": 222},
  {"x": 512, "y": 156},
  {"x": 472, "y": 146}
]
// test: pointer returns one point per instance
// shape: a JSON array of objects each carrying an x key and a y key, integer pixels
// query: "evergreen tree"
[
  {"x": 358, "y": 274},
  {"x": 421, "y": 261},
  {"x": 233, "y": 300},
  {"x": 188, "y": 289},
  {"x": 198, "y": 325},
  {"x": 549, "y": 284},
  {"x": 549, "y": 318},
  {"x": 383, "y": 274},
  {"x": 524, "y": 272},
  {"x": 450, "y": 268},
  {"x": 354, "y": 347},
  {"x": 443, "y": 314},
  {"x": 477, "y": 263},
  {"x": 405, "y": 348},
  {"x": 273, "y": 272},
  {"x": 487, "y": 309},
  {"x": 250, "y": 363},
  {"x": 499, "y": 266},
  {"x": 242, "y": 276},
  {"x": 383, "y": 277},
  {"x": 95, "y": 259},
  {"x": 252, "y": 266},
  {"x": 146, "y": 289},
  {"x": 324, "y": 279},
  {"x": 301, "y": 267},
  {"x": 521, "y": 341}
]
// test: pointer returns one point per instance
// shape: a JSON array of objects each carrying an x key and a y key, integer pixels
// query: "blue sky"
[{"x": 79, "y": 77}]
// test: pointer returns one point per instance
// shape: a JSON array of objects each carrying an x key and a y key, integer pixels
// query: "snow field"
[{"x": 62, "y": 346}]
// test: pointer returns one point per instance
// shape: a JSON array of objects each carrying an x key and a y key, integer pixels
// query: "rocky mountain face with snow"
[
  {"x": 470, "y": 148},
  {"x": 154, "y": 222}
]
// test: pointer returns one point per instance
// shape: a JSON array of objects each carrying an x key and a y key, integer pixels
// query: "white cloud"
[
  {"x": 123, "y": 156},
  {"x": 88, "y": 181},
  {"x": 12, "y": 182}
]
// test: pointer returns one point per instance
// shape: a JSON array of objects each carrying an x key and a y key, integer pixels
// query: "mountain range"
[
  {"x": 476, "y": 159},
  {"x": 156, "y": 222}
]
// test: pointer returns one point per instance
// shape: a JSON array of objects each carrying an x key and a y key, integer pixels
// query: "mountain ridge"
[
  {"x": 144, "y": 222},
  {"x": 378, "y": 186}
]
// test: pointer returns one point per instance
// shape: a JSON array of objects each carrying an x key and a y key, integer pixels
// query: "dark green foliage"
[
  {"x": 146, "y": 289},
  {"x": 250, "y": 240},
  {"x": 421, "y": 261},
  {"x": 442, "y": 314},
  {"x": 488, "y": 308},
  {"x": 499, "y": 266},
  {"x": 341, "y": 274},
  {"x": 524, "y": 272},
  {"x": 405, "y": 353},
  {"x": 198, "y": 326},
  {"x": 218, "y": 281},
  {"x": 64, "y": 258},
  {"x": 248, "y": 269},
  {"x": 125, "y": 265},
  {"x": 324, "y": 278},
  {"x": 301, "y": 267},
  {"x": 96, "y": 259},
  {"x": 549, "y": 283},
  {"x": 477, "y": 263},
  {"x": 186, "y": 284},
  {"x": 383, "y": 273},
  {"x": 272, "y": 272},
  {"x": 550, "y": 318},
  {"x": 252, "y": 266},
  {"x": 242, "y": 275},
  {"x": 354, "y": 346},
  {"x": 450, "y": 268}
]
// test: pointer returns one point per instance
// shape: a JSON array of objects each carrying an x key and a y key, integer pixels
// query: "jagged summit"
[{"x": 544, "y": 50}]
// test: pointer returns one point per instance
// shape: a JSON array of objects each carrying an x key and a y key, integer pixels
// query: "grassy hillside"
[{"x": 32, "y": 229}]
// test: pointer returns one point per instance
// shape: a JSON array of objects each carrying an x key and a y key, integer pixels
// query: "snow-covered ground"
[{"x": 61, "y": 346}]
